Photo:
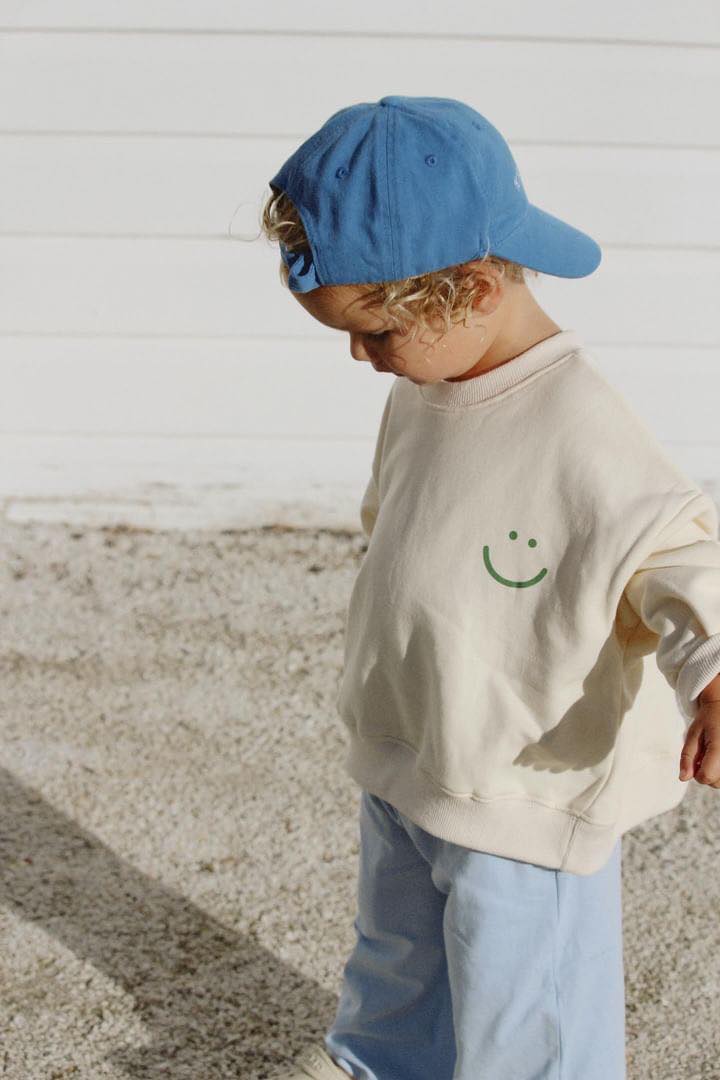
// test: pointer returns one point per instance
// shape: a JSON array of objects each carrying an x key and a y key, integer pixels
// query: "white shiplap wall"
[{"x": 156, "y": 372}]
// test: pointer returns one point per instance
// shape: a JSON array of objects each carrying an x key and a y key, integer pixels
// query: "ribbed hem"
[
  {"x": 702, "y": 665},
  {"x": 514, "y": 827},
  {"x": 488, "y": 384}
]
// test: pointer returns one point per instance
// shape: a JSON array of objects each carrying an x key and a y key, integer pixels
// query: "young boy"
[{"x": 538, "y": 572}]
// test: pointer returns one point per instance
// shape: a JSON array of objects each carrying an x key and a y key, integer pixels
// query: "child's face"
[{"x": 426, "y": 358}]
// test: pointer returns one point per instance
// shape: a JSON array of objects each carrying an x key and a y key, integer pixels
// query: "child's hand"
[{"x": 701, "y": 752}]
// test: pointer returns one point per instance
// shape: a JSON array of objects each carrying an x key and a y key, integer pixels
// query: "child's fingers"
[
  {"x": 691, "y": 753},
  {"x": 709, "y": 769}
]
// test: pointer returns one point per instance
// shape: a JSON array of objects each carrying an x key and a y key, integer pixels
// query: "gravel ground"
[{"x": 179, "y": 841}]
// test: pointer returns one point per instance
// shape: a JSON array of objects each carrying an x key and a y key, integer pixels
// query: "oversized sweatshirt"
[{"x": 536, "y": 611}]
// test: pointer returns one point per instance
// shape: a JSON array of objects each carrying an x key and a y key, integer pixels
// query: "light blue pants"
[{"x": 472, "y": 966}]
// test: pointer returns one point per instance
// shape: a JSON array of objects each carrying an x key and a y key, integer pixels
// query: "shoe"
[{"x": 315, "y": 1062}]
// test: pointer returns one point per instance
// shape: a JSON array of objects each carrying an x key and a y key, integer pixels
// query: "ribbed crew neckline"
[{"x": 488, "y": 384}]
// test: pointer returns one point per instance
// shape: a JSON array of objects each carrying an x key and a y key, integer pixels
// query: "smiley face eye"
[{"x": 532, "y": 542}]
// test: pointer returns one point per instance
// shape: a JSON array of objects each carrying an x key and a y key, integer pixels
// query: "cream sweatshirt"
[{"x": 535, "y": 614}]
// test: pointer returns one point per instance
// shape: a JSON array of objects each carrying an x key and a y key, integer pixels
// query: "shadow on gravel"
[{"x": 202, "y": 991}]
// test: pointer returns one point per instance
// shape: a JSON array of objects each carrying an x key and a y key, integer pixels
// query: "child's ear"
[{"x": 492, "y": 292}]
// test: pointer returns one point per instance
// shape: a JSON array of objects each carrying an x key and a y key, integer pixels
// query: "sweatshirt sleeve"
[
  {"x": 370, "y": 502},
  {"x": 676, "y": 593}
]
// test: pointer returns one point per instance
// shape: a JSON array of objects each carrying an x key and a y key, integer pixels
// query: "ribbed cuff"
[{"x": 702, "y": 665}]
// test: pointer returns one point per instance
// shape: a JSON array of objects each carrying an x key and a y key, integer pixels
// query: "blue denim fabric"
[{"x": 472, "y": 966}]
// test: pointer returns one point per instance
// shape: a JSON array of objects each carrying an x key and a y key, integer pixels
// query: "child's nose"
[{"x": 357, "y": 348}]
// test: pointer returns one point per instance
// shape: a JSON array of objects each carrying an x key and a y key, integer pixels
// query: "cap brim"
[{"x": 543, "y": 242}]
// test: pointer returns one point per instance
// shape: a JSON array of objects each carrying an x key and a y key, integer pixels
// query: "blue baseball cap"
[{"x": 406, "y": 185}]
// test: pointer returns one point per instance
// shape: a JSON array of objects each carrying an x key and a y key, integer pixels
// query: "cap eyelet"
[
  {"x": 431, "y": 160},
  {"x": 341, "y": 171}
]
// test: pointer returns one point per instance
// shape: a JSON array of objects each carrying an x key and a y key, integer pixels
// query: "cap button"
[{"x": 391, "y": 99}]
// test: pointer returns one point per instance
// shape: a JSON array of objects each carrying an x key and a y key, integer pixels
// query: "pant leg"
[
  {"x": 394, "y": 1016},
  {"x": 590, "y": 974},
  {"x": 535, "y": 965}
]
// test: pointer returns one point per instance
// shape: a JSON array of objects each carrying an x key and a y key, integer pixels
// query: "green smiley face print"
[{"x": 532, "y": 542}]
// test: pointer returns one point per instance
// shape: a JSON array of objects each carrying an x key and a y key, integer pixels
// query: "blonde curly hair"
[{"x": 447, "y": 295}]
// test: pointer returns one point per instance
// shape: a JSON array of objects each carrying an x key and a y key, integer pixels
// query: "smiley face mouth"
[{"x": 506, "y": 581}]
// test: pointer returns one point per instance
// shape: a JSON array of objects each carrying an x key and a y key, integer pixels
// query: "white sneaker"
[{"x": 316, "y": 1063}]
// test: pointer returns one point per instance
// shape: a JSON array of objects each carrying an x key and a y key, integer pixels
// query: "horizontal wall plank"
[
  {"x": 262, "y": 388},
  {"x": 184, "y": 483},
  {"x": 124, "y": 185},
  {"x": 272, "y": 389},
  {"x": 81, "y": 82},
  {"x": 695, "y": 20},
  {"x": 201, "y": 288}
]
